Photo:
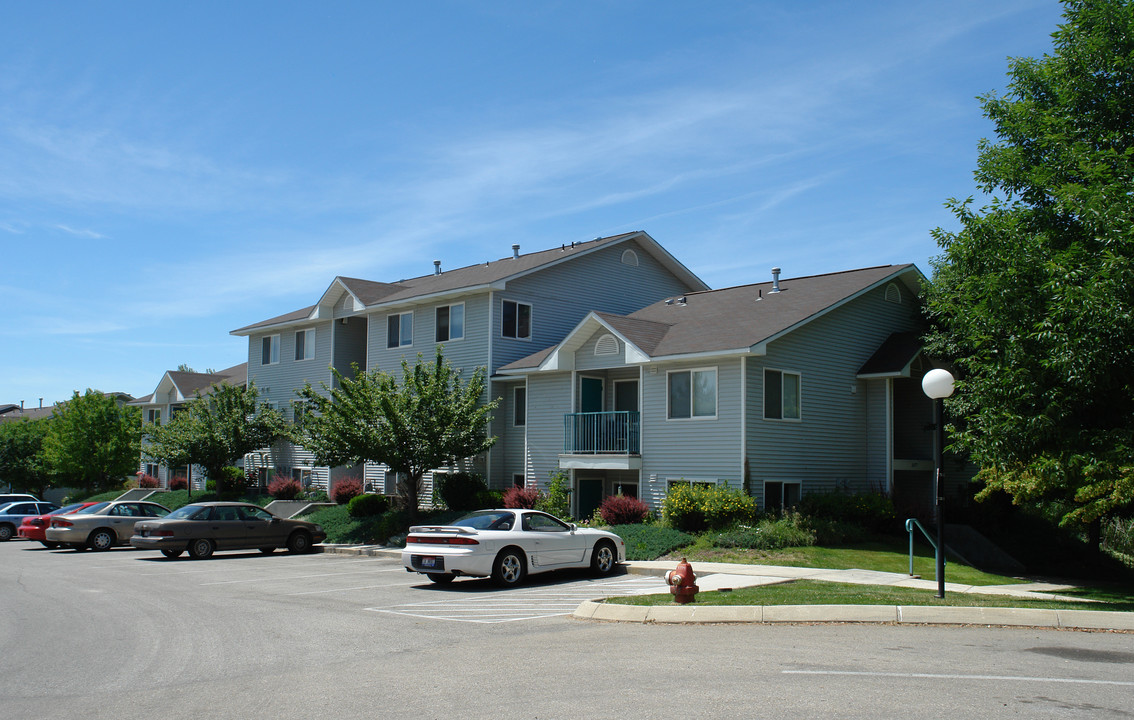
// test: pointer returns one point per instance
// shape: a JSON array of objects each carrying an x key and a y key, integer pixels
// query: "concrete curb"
[{"x": 887, "y": 614}]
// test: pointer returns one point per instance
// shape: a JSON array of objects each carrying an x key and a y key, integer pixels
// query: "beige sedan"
[{"x": 102, "y": 526}]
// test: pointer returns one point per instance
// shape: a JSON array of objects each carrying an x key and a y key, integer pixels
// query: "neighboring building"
[
  {"x": 176, "y": 388},
  {"x": 782, "y": 388},
  {"x": 10, "y": 412},
  {"x": 485, "y": 315}
]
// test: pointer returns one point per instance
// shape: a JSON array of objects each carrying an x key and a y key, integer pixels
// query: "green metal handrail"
[{"x": 932, "y": 541}]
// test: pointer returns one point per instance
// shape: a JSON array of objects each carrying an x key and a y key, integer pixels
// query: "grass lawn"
[
  {"x": 885, "y": 553},
  {"x": 817, "y": 592}
]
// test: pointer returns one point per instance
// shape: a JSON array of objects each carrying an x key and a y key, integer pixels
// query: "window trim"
[
  {"x": 716, "y": 394},
  {"x": 401, "y": 330},
  {"x": 516, "y": 406},
  {"x": 783, "y": 484},
  {"x": 799, "y": 395},
  {"x": 518, "y": 304},
  {"x": 308, "y": 345},
  {"x": 449, "y": 325},
  {"x": 273, "y": 349}
]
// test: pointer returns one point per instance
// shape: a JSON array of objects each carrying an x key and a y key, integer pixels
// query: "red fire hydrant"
[{"x": 681, "y": 583}]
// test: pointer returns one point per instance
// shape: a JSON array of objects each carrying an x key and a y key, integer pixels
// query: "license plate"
[{"x": 429, "y": 562}]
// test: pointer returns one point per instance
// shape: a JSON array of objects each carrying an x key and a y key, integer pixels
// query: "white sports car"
[{"x": 507, "y": 545}]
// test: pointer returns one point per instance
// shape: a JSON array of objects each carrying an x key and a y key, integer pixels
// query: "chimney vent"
[
  {"x": 436, "y": 267},
  {"x": 515, "y": 250},
  {"x": 775, "y": 280}
]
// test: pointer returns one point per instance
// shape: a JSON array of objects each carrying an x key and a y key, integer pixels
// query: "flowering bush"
[
  {"x": 179, "y": 482},
  {"x": 346, "y": 490},
  {"x": 623, "y": 510},
  {"x": 693, "y": 508},
  {"x": 148, "y": 481},
  {"x": 284, "y": 488},
  {"x": 521, "y": 497}
]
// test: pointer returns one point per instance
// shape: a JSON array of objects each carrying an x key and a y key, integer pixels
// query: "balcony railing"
[{"x": 602, "y": 433}]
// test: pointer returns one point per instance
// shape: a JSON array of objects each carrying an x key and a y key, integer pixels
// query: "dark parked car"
[{"x": 201, "y": 528}]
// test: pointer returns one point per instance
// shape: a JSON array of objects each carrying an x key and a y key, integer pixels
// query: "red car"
[{"x": 35, "y": 528}]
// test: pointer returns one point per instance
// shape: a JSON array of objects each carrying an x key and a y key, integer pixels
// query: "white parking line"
[
  {"x": 275, "y": 578},
  {"x": 522, "y": 603}
]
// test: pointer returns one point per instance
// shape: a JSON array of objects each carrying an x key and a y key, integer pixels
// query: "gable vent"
[
  {"x": 606, "y": 345},
  {"x": 893, "y": 294}
]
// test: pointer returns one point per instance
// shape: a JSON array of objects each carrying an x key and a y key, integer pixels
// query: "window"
[
  {"x": 781, "y": 395},
  {"x": 270, "y": 350},
  {"x": 692, "y": 394},
  {"x": 305, "y": 344},
  {"x": 450, "y": 322},
  {"x": 517, "y": 480},
  {"x": 399, "y": 330},
  {"x": 694, "y": 482},
  {"x": 780, "y": 495},
  {"x": 152, "y": 470},
  {"x": 516, "y": 321},
  {"x": 153, "y": 416},
  {"x": 520, "y": 406}
]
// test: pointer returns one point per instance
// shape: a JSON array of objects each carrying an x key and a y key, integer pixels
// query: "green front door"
[{"x": 589, "y": 497}]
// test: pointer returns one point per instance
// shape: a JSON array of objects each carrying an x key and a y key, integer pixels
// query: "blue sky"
[{"x": 172, "y": 171}]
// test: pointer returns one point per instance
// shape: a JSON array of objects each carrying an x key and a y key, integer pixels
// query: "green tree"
[
  {"x": 1033, "y": 297},
  {"x": 217, "y": 429},
  {"x": 92, "y": 442},
  {"x": 427, "y": 420},
  {"x": 22, "y": 464}
]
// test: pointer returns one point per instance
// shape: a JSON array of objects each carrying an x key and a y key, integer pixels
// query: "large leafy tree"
[
  {"x": 93, "y": 442},
  {"x": 1033, "y": 297},
  {"x": 217, "y": 429},
  {"x": 22, "y": 463},
  {"x": 427, "y": 419}
]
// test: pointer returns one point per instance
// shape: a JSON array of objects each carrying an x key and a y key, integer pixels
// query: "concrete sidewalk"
[{"x": 717, "y": 576}]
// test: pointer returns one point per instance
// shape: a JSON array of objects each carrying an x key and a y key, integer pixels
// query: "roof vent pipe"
[
  {"x": 436, "y": 267},
  {"x": 775, "y": 280},
  {"x": 515, "y": 250}
]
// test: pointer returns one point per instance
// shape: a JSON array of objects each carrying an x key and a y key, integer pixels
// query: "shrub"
[
  {"x": 623, "y": 510},
  {"x": 873, "y": 511},
  {"x": 489, "y": 499},
  {"x": 521, "y": 497},
  {"x": 694, "y": 508},
  {"x": 178, "y": 482},
  {"x": 231, "y": 481},
  {"x": 284, "y": 488},
  {"x": 770, "y": 533},
  {"x": 346, "y": 489},
  {"x": 649, "y": 542},
  {"x": 460, "y": 491},
  {"x": 367, "y": 505},
  {"x": 148, "y": 481},
  {"x": 557, "y": 502}
]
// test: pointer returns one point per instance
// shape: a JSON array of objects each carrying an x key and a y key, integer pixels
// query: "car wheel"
[
  {"x": 267, "y": 550},
  {"x": 441, "y": 578},
  {"x": 102, "y": 539},
  {"x": 200, "y": 549},
  {"x": 48, "y": 544},
  {"x": 299, "y": 542},
  {"x": 603, "y": 558},
  {"x": 171, "y": 553},
  {"x": 6, "y": 532},
  {"x": 508, "y": 570}
]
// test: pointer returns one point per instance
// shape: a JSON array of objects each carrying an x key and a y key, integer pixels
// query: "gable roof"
[
  {"x": 495, "y": 274},
  {"x": 186, "y": 385},
  {"x": 740, "y": 319}
]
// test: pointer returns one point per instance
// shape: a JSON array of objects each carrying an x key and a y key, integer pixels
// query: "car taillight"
[
  {"x": 32, "y": 521},
  {"x": 441, "y": 540},
  {"x": 61, "y": 523}
]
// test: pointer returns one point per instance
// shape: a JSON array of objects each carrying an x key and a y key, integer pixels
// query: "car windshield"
[
  {"x": 487, "y": 520},
  {"x": 189, "y": 512},
  {"x": 92, "y": 508}
]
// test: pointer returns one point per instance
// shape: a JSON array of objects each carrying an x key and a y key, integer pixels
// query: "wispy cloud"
[{"x": 87, "y": 234}]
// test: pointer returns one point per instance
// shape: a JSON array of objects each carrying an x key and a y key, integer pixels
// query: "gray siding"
[
  {"x": 877, "y": 432},
  {"x": 692, "y": 449},
  {"x": 550, "y": 398},
  {"x": 827, "y": 448}
]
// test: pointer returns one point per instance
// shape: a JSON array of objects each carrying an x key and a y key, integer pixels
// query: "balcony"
[{"x": 610, "y": 440}]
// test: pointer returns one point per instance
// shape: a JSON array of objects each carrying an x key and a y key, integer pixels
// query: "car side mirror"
[
  {"x": 275, "y": 521},
  {"x": 574, "y": 527}
]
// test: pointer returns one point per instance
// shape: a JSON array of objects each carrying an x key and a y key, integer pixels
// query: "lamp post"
[{"x": 938, "y": 385}]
